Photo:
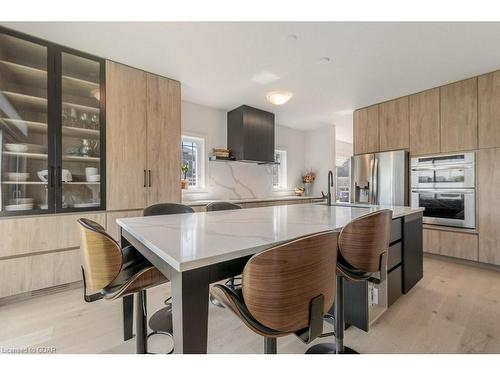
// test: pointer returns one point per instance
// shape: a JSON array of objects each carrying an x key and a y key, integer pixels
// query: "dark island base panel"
[{"x": 405, "y": 269}]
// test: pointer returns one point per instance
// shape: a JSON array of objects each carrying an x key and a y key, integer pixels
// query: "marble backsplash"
[{"x": 236, "y": 180}]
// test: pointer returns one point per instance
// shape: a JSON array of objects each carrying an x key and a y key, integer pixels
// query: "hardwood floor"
[{"x": 454, "y": 309}]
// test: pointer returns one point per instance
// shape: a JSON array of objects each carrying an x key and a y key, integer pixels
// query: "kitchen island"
[{"x": 195, "y": 250}]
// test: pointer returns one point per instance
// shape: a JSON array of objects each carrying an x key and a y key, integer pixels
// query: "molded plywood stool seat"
[
  {"x": 115, "y": 272},
  {"x": 161, "y": 321},
  {"x": 233, "y": 282},
  {"x": 362, "y": 255},
  {"x": 286, "y": 289}
]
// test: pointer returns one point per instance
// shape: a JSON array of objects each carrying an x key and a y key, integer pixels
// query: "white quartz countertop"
[
  {"x": 204, "y": 202},
  {"x": 193, "y": 240}
]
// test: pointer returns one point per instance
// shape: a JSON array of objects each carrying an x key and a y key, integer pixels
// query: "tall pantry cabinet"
[{"x": 143, "y": 142}]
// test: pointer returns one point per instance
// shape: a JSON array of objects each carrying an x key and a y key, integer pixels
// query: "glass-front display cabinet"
[{"x": 52, "y": 127}]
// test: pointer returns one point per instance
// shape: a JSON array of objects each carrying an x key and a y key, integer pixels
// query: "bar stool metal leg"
[
  {"x": 141, "y": 323},
  {"x": 270, "y": 345},
  {"x": 338, "y": 347}
]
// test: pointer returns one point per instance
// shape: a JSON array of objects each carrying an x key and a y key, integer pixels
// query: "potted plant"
[
  {"x": 184, "y": 181},
  {"x": 308, "y": 180}
]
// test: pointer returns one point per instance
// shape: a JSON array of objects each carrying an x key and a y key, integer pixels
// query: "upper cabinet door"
[
  {"x": 26, "y": 122},
  {"x": 489, "y": 110},
  {"x": 164, "y": 139},
  {"x": 425, "y": 132},
  {"x": 393, "y": 125},
  {"x": 82, "y": 129},
  {"x": 459, "y": 116},
  {"x": 366, "y": 130},
  {"x": 126, "y": 132}
]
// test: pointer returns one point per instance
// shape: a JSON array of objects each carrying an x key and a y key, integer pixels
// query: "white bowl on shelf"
[
  {"x": 16, "y": 147},
  {"x": 17, "y": 176},
  {"x": 94, "y": 178}
]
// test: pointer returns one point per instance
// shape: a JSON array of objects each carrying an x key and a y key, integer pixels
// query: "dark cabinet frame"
[{"x": 54, "y": 125}]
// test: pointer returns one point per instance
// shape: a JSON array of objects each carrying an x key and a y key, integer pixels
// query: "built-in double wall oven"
[{"x": 444, "y": 185}]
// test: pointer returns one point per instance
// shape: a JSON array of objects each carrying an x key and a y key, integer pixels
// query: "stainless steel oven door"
[
  {"x": 443, "y": 176},
  {"x": 452, "y": 207}
]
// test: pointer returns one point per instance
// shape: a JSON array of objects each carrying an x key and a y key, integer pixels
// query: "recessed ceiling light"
[{"x": 279, "y": 97}]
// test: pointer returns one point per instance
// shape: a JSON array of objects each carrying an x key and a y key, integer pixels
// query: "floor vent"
[{"x": 50, "y": 290}]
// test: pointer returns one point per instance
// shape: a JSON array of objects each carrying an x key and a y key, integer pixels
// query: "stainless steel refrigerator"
[{"x": 380, "y": 178}]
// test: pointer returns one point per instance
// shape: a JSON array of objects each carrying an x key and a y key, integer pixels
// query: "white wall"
[
  {"x": 233, "y": 180},
  {"x": 320, "y": 157}
]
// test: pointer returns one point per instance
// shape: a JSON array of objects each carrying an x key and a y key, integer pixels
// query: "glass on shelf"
[
  {"x": 23, "y": 125},
  {"x": 80, "y": 132}
]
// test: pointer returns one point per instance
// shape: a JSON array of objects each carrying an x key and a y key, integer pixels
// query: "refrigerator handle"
[
  {"x": 370, "y": 182},
  {"x": 375, "y": 181}
]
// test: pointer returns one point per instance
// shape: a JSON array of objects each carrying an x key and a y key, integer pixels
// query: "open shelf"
[
  {"x": 34, "y": 126},
  {"x": 81, "y": 183},
  {"x": 90, "y": 159},
  {"x": 71, "y": 131},
  {"x": 33, "y": 101},
  {"x": 39, "y": 76},
  {"x": 24, "y": 183},
  {"x": 29, "y": 155}
]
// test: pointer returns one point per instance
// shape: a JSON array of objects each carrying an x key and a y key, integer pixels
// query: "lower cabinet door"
[
  {"x": 452, "y": 244},
  {"x": 30, "y": 273},
  {"x": 394, "y": 285}
]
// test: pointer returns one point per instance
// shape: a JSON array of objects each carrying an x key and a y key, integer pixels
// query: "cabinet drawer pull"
[
  {"x": 144, "y": 178},
  {"x": 149, "y": 177}
]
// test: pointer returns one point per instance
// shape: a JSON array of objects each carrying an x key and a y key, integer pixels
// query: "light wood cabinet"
[
  {"x": 112, "y": 228},
  {"x": 143, "y": 138},
  {"x": 126, "y": 137},
  {"x": 164, "y": 139},
  {"x": 366, "y": 130},
  {"x": 488, "y": 180},
  {"x": 25, "y": 274},
  {"x": 459, "y": 116},
  {"x": 425, "y": 131},
  {"x": 489, "y": 110},
  {"x": 394, "y": 129},
  {"x": 30, "y": 235},
  {"x": 453, "y": 244}
]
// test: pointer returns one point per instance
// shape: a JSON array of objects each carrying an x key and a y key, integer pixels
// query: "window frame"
[
  {"x": 200, "y": 159},
  {"x": 282, "y": 170}
]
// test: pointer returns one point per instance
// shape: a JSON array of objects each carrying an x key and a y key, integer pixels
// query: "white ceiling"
[{"x": 371, "y": 62}]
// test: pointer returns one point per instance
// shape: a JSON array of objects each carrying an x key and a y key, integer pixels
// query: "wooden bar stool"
[
  {"x": 362, "y": 255},
  {"x": 286, "y": 289},
  {"x": 115, "y": 272}
]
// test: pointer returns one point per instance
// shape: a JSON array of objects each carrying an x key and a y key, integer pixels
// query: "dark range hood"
[{"x": 250, "y": 135}]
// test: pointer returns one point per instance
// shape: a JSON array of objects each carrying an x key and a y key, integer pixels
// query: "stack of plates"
[{"x": 20, "y": 204}]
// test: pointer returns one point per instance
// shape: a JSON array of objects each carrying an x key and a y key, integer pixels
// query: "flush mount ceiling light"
[{"x": 279, "y": 97}]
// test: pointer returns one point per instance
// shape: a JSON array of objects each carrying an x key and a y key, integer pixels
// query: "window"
[
  {"x": 279, "y": 170},
  {"x": 343, "y": 180},
  {"x": 193, "y": 151}
]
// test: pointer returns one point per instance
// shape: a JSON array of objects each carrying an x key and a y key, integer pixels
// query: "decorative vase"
[
  {"x": 184, "y": 184},
  {"x": 307, "y": 189}
]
